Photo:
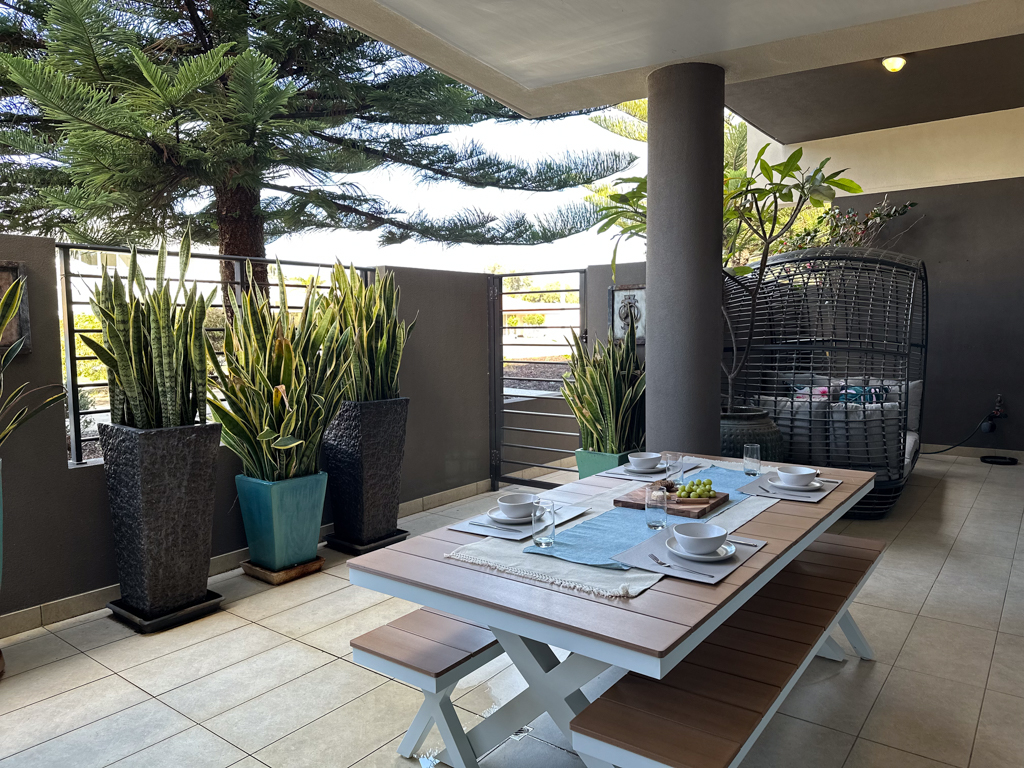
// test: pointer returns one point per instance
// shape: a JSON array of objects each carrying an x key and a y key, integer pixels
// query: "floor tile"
[
  {"x": 481, "y": 675},
  {"x": 837, "y": 695},
  {"x": 335, "y": 638},
  {"x": 49, "y": 680},
  {"x": 976, "y": 538},
  {"x": 868, "y": 754},
  {"x": 923, "y": 554},
  {"x": 791, "y": 742},
  {"x": 925, "y": 715},
  {"x": 106, "y": 740},
  {"x": 339, "y": 571},
  {"x": 238, "y": 588},
  {"x": 493, "y": 693},
  {"x": 1012, "y": 619},
  {"x": 886, "y": 530},
  {"x": 886, "y": 630},
  {"x": 36, "y": 652},
  {"x": 74, "y": 621},
  {"x": 138, "y": 649},
  {"x": 952, "y": 651},
  {"x": 1007, "y": 673},
  {"x": 896, "y": 590},
  {"x": 311, "y": 616},
  {"x": 193, "y": 748},
  {"x": 273, "y": 715},
  {"x": 21, "y": 637},
  {"x": 209, "y": 696},
  {"x": 168, "y": 672},
  {"x": 95, "y": 633},
  {"x": 1000, "y": 739},
  {"x": 272, "y": 601},
  {"x": 428, "y": 522},
  {"x": 388, "y": 757},
  {"x": 349, "y": 733},
  {"x": 532, "y": 752},
  {"x": 977, "y": 568},
  {"x": 60, "y": 714},
  {"x": 960, "y": 600}
]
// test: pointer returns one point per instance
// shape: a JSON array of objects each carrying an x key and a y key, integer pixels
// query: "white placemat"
[
  {"x": 680, "y": 568},
  {"x": 482, "y": 525},
  {"x": 508, "y": 557}
]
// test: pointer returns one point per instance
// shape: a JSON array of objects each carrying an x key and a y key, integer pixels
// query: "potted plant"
[
  {"x": 365, "y": 443},
  {"x": 16, "y": 411},
  {"x": 283, "y": 378},
  {"x": 605, "y": 390},
  {"x": 159, "y": 452}
]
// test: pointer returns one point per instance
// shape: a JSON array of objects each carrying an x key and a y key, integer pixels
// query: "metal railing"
[
  {"x": 78, "y": 277},
  {"x": 530, "y": 423}
]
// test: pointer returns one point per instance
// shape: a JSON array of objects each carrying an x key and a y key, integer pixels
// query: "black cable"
[{"x": 973, "y": 433}]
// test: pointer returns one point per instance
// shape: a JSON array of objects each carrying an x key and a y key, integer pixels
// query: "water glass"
[
  {"x": 752, "y": 459},
  {"x": 656, "y": 508},
  {"x": 673, "y": 462},
  {"x": 544, "y": 524}
]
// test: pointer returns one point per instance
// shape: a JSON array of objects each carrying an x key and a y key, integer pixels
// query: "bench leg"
[
  {"x": 831, "y": 650},
  {"x": 437, "y": 709},
  {"x": 860, "y": 643}
]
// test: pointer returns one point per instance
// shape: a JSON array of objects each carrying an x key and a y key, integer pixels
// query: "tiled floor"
[{"x": 269, "y": 681}]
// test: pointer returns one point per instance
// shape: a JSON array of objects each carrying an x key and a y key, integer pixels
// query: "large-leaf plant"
[{"x": 283, "y": 379}]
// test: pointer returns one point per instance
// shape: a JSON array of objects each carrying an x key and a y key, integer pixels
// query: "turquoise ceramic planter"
[
  {"x": 591, "y": 462},
  {"x": 282, "y": 518}
]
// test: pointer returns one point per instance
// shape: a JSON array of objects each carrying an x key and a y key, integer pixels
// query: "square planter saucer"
[
  {"x": 339, "y": 544},
  {"x": 181, "y": 616},
  {"x": 284, "y": 575}
]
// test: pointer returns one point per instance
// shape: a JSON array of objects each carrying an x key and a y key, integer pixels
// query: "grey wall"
[
  {"x": 971, "y": 238},
  {"x": 57, "y": 534},
  {"x": 599, "y": 277}
]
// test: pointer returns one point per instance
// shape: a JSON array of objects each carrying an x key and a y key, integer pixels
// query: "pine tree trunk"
[{"x": 240, "y": 227}]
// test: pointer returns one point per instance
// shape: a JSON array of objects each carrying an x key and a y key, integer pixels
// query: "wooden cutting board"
[{"x": 682, "y": 507}]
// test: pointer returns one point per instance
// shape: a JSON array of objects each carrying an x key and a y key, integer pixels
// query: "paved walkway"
[{"x": 269, "y": 680}]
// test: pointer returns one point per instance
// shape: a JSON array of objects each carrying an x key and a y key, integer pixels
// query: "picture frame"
[{"x": 624, "y": 300}]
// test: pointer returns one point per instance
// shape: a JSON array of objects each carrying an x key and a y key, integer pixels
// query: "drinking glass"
[
  {"x": 673, "y": 462},
  {"x": 656, "y": 508},
  {"x": 752, "y": 459},
  {"x": 544, "y": 524}
]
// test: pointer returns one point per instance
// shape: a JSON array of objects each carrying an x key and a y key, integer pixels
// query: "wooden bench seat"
[
  {"x": 433, "y": 651},
  {"x": 709, "y": 710}
]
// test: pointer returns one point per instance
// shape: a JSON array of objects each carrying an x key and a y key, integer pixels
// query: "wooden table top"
[{"x": 652, "y": 623}]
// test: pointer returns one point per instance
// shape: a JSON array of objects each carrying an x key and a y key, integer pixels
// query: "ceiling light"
[{"x": 894, "y": 63}]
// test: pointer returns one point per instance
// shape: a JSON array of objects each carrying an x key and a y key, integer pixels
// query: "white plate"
[
  {"x": 500, "y": 517},
  {"x": 814, "y": 485},
  {"x": 652, "y": 471},
  {"x": 724, "y": 552}
]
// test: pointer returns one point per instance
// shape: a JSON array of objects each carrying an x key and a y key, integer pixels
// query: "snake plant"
[
  {"x": 605, "y": 391},
  {"x": 15, "y": 412},
  {"x": 370, "y": 312},
  {"x": 283, "y": 379},
  {"x": 153, "y": 345}
]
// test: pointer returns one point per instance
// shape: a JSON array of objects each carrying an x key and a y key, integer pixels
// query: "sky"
[{"x": 529, "y": 141}]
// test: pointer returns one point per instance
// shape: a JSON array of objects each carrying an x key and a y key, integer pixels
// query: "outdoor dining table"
[{"x": 648, "y": 634}]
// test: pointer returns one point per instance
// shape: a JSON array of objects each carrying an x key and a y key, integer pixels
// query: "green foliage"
[
  {"x": 605, "y": 389},
  {"x": 630, "y": 123},
  {"x": 153, "y": 348},
  {"x": 531, "y": 318},
  {"x": 283, "y": 380},
  {"x": 370, "y": 314},
  {"x": 119, "y": 121},
  {"x": 16, "y": 409},
  {"x": 88, "y": 370},
  {"x": 835, "y": 227}
]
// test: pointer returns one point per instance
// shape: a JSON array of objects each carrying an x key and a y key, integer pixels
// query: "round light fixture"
[{"x": 894, "y": 63}]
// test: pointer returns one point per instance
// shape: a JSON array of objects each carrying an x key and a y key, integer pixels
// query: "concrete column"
[{"x": 684, "y": 246}]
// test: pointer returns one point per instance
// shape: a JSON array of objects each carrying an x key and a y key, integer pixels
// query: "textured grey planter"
[
  {"x": 161, "y": 486},
  {"x": 362, "y": 455}
]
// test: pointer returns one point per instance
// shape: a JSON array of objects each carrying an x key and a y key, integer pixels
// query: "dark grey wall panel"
[{"x": 599, "y": 277}]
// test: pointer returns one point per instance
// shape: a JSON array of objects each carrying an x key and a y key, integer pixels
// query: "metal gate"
[{"x": 530, "y": 322}]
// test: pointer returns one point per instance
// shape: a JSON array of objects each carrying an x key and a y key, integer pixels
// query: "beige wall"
[{"x": 957, "y": 151}]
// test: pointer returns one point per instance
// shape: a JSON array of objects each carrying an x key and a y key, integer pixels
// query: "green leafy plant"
[
  {"x": 152, "y": 346},
  {"x": 370, "y": 313},
  {"x": 605, "y": 389},
  {"x": 283, "y": 379},
  {"x": 836, "y": 227},
  {"x": 16, "y": 410}
]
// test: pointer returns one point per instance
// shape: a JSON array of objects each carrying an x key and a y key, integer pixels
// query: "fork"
[{"x": 663, "y": 564}]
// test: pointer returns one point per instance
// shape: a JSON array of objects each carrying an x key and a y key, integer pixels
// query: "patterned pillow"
[{"x": 848, "y": 394}]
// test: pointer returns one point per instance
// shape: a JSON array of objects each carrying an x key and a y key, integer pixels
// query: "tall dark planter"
[
  {"x": 751, "y": 425},
  {"x": 362, "y": 454},
  {"x": 161, "y": 486}
]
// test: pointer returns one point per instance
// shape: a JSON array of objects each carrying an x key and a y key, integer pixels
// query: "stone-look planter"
[
  {"x": 161, "y": 485},
  {"x": 592, "y": 462},
  {"x": 745, "y": 425},
  {"x": 362, "y": 454},
  {"x": 282, "y": 519}
]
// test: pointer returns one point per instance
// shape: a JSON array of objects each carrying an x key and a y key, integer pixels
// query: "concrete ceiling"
[
  {"x": 547, "y": 56},
  {"x": 937, "y": 84}
]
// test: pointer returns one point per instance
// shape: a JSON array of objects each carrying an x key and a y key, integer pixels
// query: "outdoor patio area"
[{"x": 269, "y": 680}]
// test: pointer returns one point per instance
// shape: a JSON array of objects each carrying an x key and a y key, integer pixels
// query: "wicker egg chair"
[{"x": 838, "y": 360}]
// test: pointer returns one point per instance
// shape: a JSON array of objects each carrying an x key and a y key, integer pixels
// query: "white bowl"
[
  {"x": 517, "y": 505},
  {"x": 699, "y": 538},
  {"x": 644, "y": 460},
  {"x": 797, "y": 475}
]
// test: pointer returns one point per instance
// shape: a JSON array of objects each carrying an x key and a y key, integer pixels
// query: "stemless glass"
[
  {"x": 673, "y": 462},
  {"x": 752, "y": 459},
  {"x": 656, "y": 508},
  {"x": 544, "y": 524}
]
